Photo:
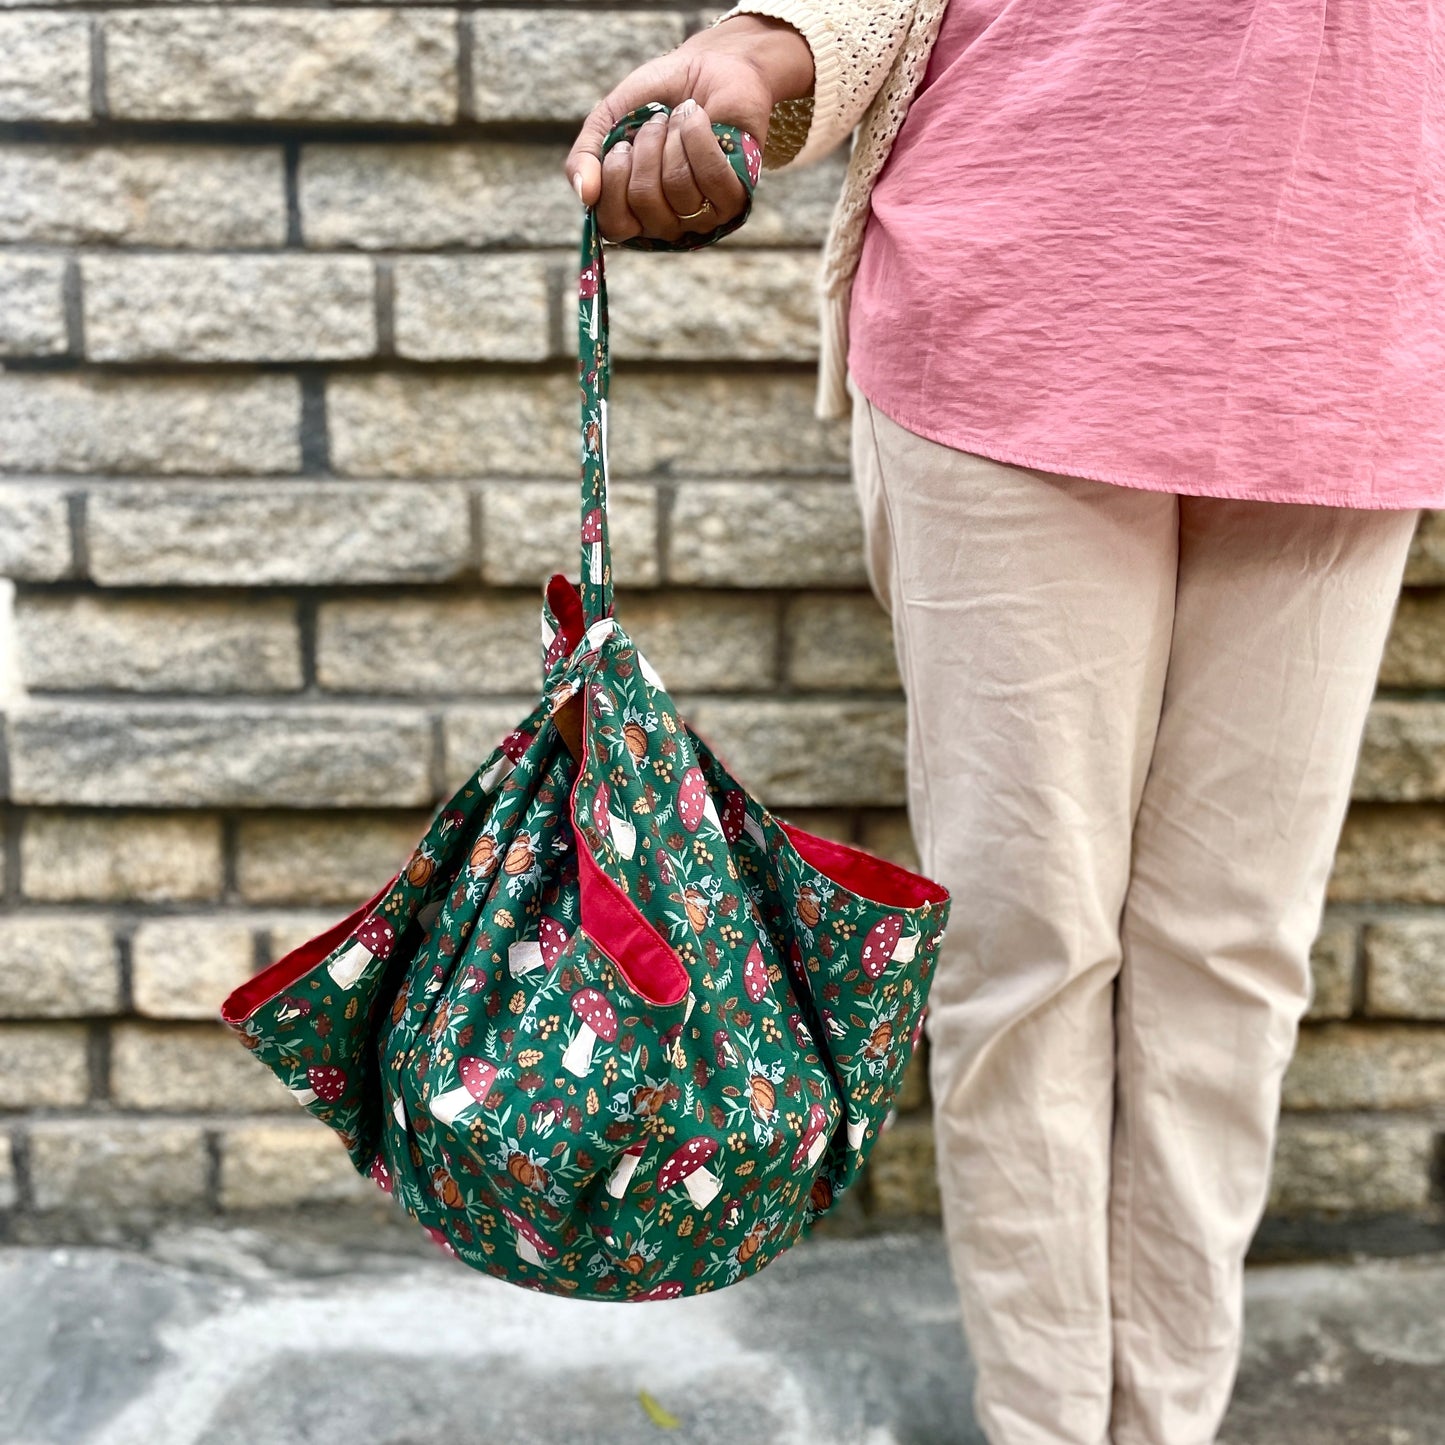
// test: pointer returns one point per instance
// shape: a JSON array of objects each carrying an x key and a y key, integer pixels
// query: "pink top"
[{"x": 1193, "y": 247}]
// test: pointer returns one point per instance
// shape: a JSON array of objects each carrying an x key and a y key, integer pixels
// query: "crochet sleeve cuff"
[{"x": 852, "y": 47}]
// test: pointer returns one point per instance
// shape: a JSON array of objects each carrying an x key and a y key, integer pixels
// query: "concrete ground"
[{"x": 213, "y": 1336}]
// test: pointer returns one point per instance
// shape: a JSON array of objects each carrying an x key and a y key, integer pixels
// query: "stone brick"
[
  {"x": 1346, "y": 1066},
  {"x": 228, "y": 308},
  {"x": 256, "y": 533},
  {"x": 44, "y": 66},
  {"x": 412, "y": 645},
  {"x": 738, "y": 305},
  {"x": 101, "y": 1164},
  {"x": 792, "y": 209},
  {"x": 842, "y": 639},
  {"x": 902, "y": 1171},
  {"x": 889, "y": 834},
  {"x": 1390, "y": 855},
  {"x": 1332, "y": 965},
  {"x": 95, "y": 423},
  {"x": 1351, "y": 1163},
  {"x": 455, "y": 307},
  {"x": 803, "y": 752},
  {"x": 278, "y": 1165},
  {"x": 832, "y": 823},
  {"x": 785, "y": 534},
  {"x": 1425, "y": 566},
  {"x": 34, "y": 532},
  {"x": 32, "y": 308},
  {"x": 412, "y": 197},
  {"x": 1402, "y": 758},
  {"x": 43, "y": 1065},
  {"x": 9, "y": 1185},
  {"x": 290, "y": 932},
  {"x": 1415, "y": 650},
  {"x": 913, "y": 1091},
  {"x": 87, "y": 643},
  {"x": 57, "y": 967},
  {"x": 404, "y": 425},
  {"x": 190, "y": 1067},
  {"x": 724, "y": 424},
  {"x": 143, "y": 195},
  {"x": 322, "y": 858},
  {"x": 534, "y": 64},
  {"x": 180, "y": 755},
  {"x": 707, "y": 641},
  {"x": 531, "y": 530},
  {"x": 1405, "y": 968},
  {"x": 278, "y": 63},
  {"x": 184, "y": 967},
  {"x": 110, "y": 857},
  {"x": 470, "y": 735}
]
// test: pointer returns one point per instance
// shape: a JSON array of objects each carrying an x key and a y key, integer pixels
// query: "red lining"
[
  {"x": 613, "y": 921},
  {"x": 566, "y": 604},
  {"x": 279, "y": 976},
  {"x": 878, "y": 880}
]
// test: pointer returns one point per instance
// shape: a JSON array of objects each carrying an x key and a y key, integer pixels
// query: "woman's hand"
[{"x": 736, "y": 71}]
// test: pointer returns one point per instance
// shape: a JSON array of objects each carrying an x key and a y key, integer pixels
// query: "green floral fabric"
[{"x": 614, "y": 1030}]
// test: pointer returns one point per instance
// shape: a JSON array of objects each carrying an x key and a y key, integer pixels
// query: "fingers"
[{"x": 655, "y": 185}]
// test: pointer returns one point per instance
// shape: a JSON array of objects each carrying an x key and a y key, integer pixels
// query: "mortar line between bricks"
[
  {"x": 211, "y": 1142},
  {"x": 384, "y": 298},
  {"x": 291, "y": 168},
  {"x": 20, "y": 1153},
  {"x": 99, "y": 100},
  {"x": 12, "y": 830},
  {"x": 125, "y": 964},
  {"x": 77, "y": 521},
  {"x": 97, "y": 1053},
  {"x": 74, "y": 309},
  {"x": 466, "y": 80},
  {"x": 308, "y": 607}
]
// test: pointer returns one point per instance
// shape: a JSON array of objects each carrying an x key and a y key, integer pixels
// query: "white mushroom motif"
[
  {"x": 688, "y": 1166},
  {"x": 531, "y": 953},
  {"x": 617, "y": 826},
  {"x": 815, "y": 1138},
  {"x": 598, "y": 1020},
  {"x": 592, "y": 535},
  {"x": 626, "y": 1166},
  {"x": 477, "y": 1076},
  {"x": 530, "y": 1245},
  {"x": 373, "y": 939},
  {"x": 885, "y": 944}
]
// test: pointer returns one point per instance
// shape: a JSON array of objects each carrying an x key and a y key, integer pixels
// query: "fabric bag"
[{"x": 614, "y": 1030}]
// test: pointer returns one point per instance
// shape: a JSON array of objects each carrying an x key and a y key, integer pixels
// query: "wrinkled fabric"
[
  {"x": 1187, "y": 247},
  {"x": 1133, "y": 722}
]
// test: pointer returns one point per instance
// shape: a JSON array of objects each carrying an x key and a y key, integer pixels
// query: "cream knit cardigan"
[{"x": 868, "y": 60}]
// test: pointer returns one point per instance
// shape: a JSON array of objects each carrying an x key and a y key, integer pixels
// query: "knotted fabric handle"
[{"x": 593, "y": 364}]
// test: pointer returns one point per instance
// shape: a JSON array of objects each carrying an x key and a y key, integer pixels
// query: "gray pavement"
[{"x": 241, "y": 1337}]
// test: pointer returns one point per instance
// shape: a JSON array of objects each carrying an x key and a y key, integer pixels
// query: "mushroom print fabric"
[{"x": 614, "y": 1029}]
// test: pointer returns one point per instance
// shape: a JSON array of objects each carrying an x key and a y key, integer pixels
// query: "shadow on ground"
[{"x": 244, "y": 1337}]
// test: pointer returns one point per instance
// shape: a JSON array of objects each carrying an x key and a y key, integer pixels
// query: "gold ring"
[{"x": 706, "y": 206}]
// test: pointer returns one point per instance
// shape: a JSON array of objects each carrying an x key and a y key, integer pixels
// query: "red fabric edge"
[
  {"x": 566, "y": 604},
  {"x": 865, "y": 873},
  {"x": 279, "y": 976},
  {"x": 647, "y": 961}
]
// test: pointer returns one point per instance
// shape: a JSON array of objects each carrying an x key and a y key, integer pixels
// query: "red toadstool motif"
[
  {"x": 688, "y": 1166},
  {"x": 374, "y": 938},
  {"x": 477, "y": 1076},
  {"x": 599, "y": 1021}
]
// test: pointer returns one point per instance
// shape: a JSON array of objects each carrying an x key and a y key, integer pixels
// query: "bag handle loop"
[{"x": 593, "y": 363}]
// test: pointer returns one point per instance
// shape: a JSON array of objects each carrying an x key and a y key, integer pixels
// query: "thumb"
[{"x": 662, "y": 80}]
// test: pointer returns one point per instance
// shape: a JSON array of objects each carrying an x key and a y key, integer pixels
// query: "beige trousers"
[{"x": 1133, "y": 721}]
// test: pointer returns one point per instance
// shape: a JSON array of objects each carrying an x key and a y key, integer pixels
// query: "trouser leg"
[
  {"x": 1031, "y": 617},
  {"x": 1280, "y": 620}
]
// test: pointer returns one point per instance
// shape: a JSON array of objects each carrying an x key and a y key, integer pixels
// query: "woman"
[{"x": 1139, "y": 310}]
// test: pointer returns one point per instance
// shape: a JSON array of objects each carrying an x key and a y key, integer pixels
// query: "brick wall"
[{"x": 287, "y": 433}]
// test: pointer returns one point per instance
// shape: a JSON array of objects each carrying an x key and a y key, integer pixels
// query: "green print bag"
[{"x": 614, "y": 1030}]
